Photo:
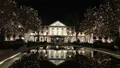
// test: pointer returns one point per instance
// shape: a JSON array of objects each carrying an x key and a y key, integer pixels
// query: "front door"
[{"x": 57, "y": 39}]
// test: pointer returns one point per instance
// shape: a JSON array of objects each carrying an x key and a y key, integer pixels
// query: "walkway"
[
  {"x": 11, "y": 60},
  {"x": 115, "y": 54},
  {"x": 7, "y": 53}
]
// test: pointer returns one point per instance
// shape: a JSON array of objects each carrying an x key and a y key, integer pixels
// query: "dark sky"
[{"x": 65, "y": 11}]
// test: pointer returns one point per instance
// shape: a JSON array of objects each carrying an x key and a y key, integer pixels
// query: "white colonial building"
[{"x": 58, "y": 32}]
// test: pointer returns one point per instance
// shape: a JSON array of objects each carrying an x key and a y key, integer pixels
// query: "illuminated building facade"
[{"x": 58, "y": 32}]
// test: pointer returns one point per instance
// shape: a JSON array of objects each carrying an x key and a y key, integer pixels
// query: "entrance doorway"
[{"x": 57, "y": 39}]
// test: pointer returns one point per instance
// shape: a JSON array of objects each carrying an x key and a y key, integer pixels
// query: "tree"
[
  {"x": 102, "y": 21},
  {"x": 30, "y": 20},
  {"x": 88, "y": 24},
  {"x": 77, "y": 21},
  {"x": 116, "y": 6},
  {"x": 8, "y": 17},
  {"x": 77, "y": 30},
  {"x": 2, "y": 36},
  {"x": 18, "y": 20}
]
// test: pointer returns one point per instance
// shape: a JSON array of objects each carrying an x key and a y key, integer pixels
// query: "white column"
[
  {"x": 54, "y": 54},
  {"x": 65, "y": 54},
  {"x": 58, "y": 54},
  {"x": 92, "y": 53},
  {"x": 49, "y": 54},
  {"x": 91, "y": 39}
]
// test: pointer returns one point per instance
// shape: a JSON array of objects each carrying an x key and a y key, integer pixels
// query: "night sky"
[{"x": 67, "y": 12}]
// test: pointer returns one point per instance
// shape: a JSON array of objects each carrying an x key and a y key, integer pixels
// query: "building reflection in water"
[{"x": 60, "y": 52}]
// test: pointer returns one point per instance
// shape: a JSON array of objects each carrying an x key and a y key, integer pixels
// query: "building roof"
[
  {"x": 65, "y": 23},
  {"x": 57, "y": 23}
]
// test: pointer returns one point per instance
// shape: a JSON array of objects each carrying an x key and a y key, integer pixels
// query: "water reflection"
[
  {"x": 67, "y": 56},
  {"x": 61, "y": 52}
]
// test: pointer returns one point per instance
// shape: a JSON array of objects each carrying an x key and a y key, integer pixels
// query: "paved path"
[
  {"x": 115, "y": 54},
  {"x": 11, "y": 61},
  {"x": 7, "y": 53}
]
